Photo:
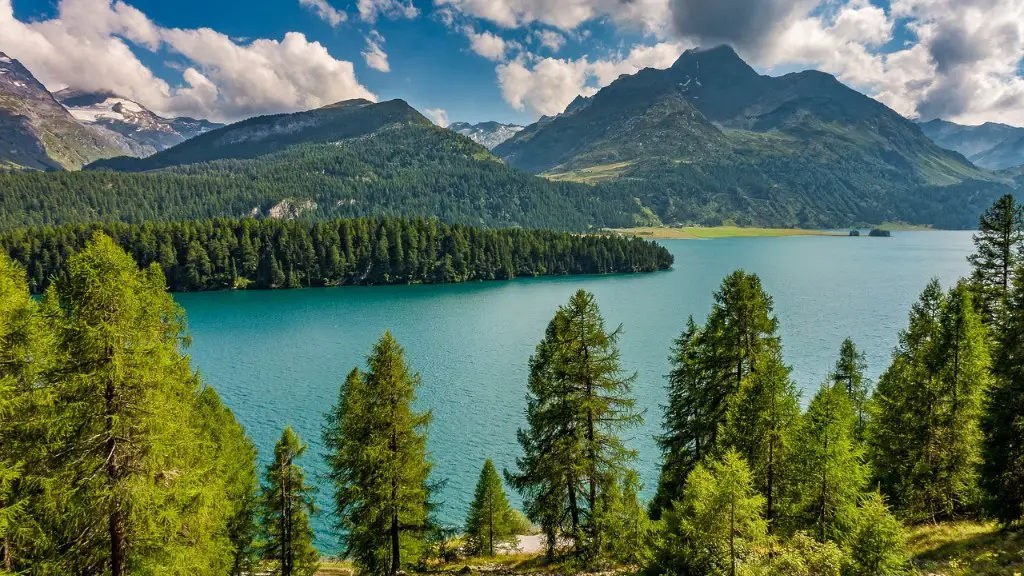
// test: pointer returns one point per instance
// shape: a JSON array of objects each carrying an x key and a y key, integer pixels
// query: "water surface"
[{"x": 278, "y": 357}]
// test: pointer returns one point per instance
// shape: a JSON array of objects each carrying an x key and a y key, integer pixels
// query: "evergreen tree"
[
  {"x": 379, "y": 467},
  {"x": 998, "y": 244},
  {"x": 286, "y": 504},
  {"x": 629, "y": 534},
  {"x": 709, "y": 366},
  {"x": 925, "y": 445},
  {"x": 831, "y": 471},
  {"x": 1003, "y": 422},
  {"x": 579, "y": 401},
  {"x": 717, "y": 525},
  {"x": 762, "y": 427},
  {"x": 849, "y": 372},
  {"x": 878, "y": 545},
  {"x": 490, "y": 522}
]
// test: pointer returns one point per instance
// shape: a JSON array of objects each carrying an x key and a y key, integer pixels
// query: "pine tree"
[
  {"x": 717, "y": 525},
  {"x": 490, "y": 522},
  {"x": 998, "y": 243},
  {"x": 286, "y": 503},
  {"x": 925, "y": 445},
  {"x": 762, "y": 427},
  {"x": 849, "y": 372},
  {"x": 1003, "y": 422},
  {"x": 629, "y": 534},
  {"x": 379, "y": 467},
  {"x": 709, "y": 366},
  {"x": 831, "y": 472},
  {"x": 578, "y": 403}
]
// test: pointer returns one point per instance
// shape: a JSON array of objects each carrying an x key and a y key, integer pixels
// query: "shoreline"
[{"x": 712, "y": 232}]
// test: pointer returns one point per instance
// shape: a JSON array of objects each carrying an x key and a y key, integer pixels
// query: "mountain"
[
  {"x": 37, "y": 132},
  {"x": 711, "y": 141},
  {"x": 990, "y": 145},
  {"x": 486, "y": 134},
  {"x": 144, "y": 131},
  {"x": 350, "y": 159}
]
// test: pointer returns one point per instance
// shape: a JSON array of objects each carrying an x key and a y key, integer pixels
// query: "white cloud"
[
  {"x": 88, "y": 46},
  {"x": 374, "y": 55},
  {"x": 549, "y": 39},
  {"x": 325, "y": 11},
  {"x": 648, "y": 15},
  {"x": 551, "y": 84},
  {"x": 486, "y": 44},
  {"x": 438, "y": 116},
  {"x": 370, "y": 10}
]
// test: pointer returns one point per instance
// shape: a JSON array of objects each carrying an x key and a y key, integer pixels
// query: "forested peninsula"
[{"x": 224, "y": 254}]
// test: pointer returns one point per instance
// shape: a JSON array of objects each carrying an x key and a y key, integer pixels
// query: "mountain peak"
[
  {"x": 721, "y": 62},
  {"x": 352, "y": 103}
]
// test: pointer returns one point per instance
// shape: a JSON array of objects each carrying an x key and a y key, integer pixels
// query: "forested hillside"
[
  {"x": 408, "y": 169},
  {"x": 710, "y": 140},
  {"x": 229, "y": 254}
]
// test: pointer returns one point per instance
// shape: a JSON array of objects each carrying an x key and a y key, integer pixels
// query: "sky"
[{"x": 508, "y": 60}]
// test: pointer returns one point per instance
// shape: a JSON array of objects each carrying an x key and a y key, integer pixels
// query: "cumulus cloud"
[
  {"x": 438, "y": 116},
  {"x": 370, "y": 10},
  {"x": 374, "y": 55},
  {"x": 745, "y": 24},
  {"x": 549, "y": 39},
  {"x": 88, "y": 45},
  {"x": 486, "y": 44},
  {"x": 551, "y": 84},
  {"x": 648, "y": 15},
  {"x": 325, "y": 11}
]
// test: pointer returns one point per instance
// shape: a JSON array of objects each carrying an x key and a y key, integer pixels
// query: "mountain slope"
[
  {"x": 144, "y": 131},
  {"x": 37, "y": 132},
  {"x": 486, "y": 134},
  {"x": 709, "y": 140},
  {"x": 990, "y": 145},
  {"x": 350, "y": 159}
]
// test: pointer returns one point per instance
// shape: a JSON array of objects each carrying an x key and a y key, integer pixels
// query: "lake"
[{"x": 278, "y": 357}]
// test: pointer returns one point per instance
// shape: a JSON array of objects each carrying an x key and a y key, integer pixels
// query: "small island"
[
  {"x": 879, "y": 233},
  {"x": 854, "y": 232}
]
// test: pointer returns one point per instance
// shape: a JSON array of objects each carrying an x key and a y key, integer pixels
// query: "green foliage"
[
  {"x": 378, "y": 464},
  {"x": 998, "y": 250},
  {"x": 717, "y": 527},
  {"x": 225, "y": 254},
  {"x": 831, "y": 473},
  {"x": 578, "y": 402},
  {"x": 925, "y": 436},
  {"x": 628, "y": 535},
  {"x": 762, "y": 426},
  {"x": 878, "y": 546},
  {"x": 490, "y": 523},
  {"x": 1003, "y": 422},
  {"x": 709, "y": 367},
  {"x": 286, "y": 504},
  {"x": 805, "y": 556},
  {"x": 849, "y": 373},
  {"x": 128, "y": 464}
]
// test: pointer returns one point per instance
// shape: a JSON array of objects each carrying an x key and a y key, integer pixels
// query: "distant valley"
[{"x": 991, "y": 145}]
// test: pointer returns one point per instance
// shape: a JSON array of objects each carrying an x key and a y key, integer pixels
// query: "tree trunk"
[{"x": 115, "y": 521}]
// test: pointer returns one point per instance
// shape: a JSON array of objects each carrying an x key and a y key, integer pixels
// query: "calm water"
[{"x": 278, "y": 357}]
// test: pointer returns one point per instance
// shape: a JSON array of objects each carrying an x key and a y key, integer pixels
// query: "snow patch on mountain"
[{"x": 486, "y": 134}]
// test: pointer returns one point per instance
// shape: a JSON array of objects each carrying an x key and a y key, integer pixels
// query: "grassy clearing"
[
  {"x": 698, "y": 232},
  {"x": 966, "y": 548},
  {"x": 591, "y": 175}
]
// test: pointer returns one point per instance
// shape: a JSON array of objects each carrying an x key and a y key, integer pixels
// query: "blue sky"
[{"x": 227, "y": 59}]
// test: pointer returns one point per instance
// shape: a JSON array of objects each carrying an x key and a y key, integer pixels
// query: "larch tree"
[
  {"x": 490, "y": 523},
  {"x": 379, "y": 467},
  {"x": 128, "y": 465},
  {"x": 709, "y": 366},
  {"x": 998, "y": 243},
  {"x": 286, "y": 504},
  {"x": 762, "y": 427},
  {"x": 877, "y": 546},
  {"x": 1003, "y": 422},
  {"x": 849, "y": 373},
  {"x": 717, "y": 526},
  {"x": 925, "y": 437},
  {"x": 579, "y": 402},
  {"x": 831, "y": 471}
]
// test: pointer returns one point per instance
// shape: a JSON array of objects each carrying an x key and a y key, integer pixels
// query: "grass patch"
[
  {"x": 966, "y": 548},
  {"x": 699, "y": 232},
  {"x": 592, "y": 174}
]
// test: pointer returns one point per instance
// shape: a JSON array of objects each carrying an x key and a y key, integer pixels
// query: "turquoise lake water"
[{"x": 278, "y": 357}]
